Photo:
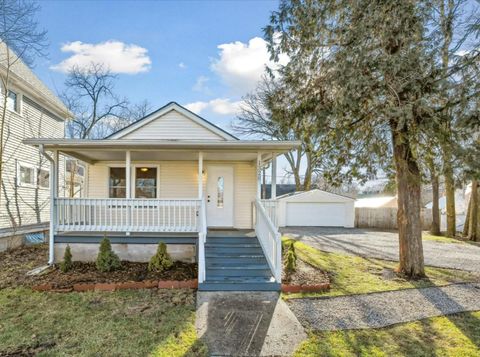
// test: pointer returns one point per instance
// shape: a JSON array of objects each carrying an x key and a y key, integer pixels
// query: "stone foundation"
[{"x": 130, "y": 252}]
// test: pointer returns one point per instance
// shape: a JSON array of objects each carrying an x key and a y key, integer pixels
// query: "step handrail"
[
  {"x": 270, "y": 240},
  {"x": 202, "y": 237}
]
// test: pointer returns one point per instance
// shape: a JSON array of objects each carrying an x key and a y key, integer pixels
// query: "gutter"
[{"x": 51, "y": 230}]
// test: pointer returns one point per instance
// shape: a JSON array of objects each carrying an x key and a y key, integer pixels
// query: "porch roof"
[{"x": 92, "y": 151}]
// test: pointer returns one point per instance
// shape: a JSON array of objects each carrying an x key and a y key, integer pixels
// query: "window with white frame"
[
  {"x": 74, "y": 178},
  {"x": 26, "y": 174},
  {"x": 13, "y": 101}
]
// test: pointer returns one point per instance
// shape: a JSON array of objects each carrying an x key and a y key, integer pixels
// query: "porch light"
[{"x": 144, "y": 169}]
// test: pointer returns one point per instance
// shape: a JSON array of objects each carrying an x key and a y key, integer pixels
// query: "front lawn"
[
  {"x": 454, "y": 335},
  {"x": 124, "y": 323},
  {"x": 443, "y": 239},
  {"x": 357, "y": 275}
]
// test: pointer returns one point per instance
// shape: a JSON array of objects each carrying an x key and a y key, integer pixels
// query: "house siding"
[
  {"x": 178, "y": 179},
  {"x": 20, "y": 203},
  {"x": 172, "y": 125}
]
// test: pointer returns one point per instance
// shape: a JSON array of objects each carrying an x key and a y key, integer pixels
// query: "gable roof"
[
  {"x": 23, "y": 74},
  {"x": 315, "y": 194},
  {"x": 164, "y": 110}
]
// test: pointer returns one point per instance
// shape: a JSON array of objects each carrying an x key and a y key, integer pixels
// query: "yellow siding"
[
  {"x": 20, "y": 203},
  {"x": 173, "y": 125},
  {"x": 178, "y": 179}
]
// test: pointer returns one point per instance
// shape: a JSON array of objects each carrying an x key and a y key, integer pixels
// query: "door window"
[
  {"x": 220, "y": 191},
  {"x": 146, "y": 182}
]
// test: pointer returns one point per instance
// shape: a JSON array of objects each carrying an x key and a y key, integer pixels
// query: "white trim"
[
  {"x": 19, "y": 164},
  {"x": 169, "y": 107}
]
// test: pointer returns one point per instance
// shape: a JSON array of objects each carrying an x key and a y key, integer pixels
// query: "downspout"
[{"x": 51, "y": 250}]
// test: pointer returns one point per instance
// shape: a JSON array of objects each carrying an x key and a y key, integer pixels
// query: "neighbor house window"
[
  {"x": 117, "y": 183},
  {"x": 146, "y": 182},
  {"x": 43, "y": 178},
  {"x": 25, "y": 174},
  {"x": 12, "y": 101}
]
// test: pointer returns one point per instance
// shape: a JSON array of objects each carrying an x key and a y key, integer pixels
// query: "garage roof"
[{"x": 315, "y": 195}]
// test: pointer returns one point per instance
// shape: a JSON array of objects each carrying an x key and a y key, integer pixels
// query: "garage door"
[{"x": 316, "y": 214}]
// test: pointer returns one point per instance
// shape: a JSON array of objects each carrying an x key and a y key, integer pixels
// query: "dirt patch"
[
  {"x": 305, "y": 274},
  {"x": 14, "y": 265}
]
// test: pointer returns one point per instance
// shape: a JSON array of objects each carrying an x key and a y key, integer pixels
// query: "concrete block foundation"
[{"x": 129, "y": 252}]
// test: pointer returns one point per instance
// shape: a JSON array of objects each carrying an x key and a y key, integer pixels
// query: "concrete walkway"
[
  {"x": 386, "y": 308},
  {"x": 247, "y": 324},
  {"x": 384, "y": 245}
]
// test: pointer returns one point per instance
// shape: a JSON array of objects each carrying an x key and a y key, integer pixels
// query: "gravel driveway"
[
  {"x": 386, "y": 308},
  {"x": 384, "y": 245}
]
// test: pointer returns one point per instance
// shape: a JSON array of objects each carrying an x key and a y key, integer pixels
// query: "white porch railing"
[
  {"x": 202, "y": 238},
  {"x": 271, "y": 208},
  {"x": 127, "y": 215},
  {"x": 269, "y": 239}
]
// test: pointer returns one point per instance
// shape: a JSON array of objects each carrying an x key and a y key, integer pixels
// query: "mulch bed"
[
  {"x": 14, "y": 265},
  {"x": 306, "y": 278}
]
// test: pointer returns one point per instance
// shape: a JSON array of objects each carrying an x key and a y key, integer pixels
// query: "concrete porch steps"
[{"x": 236, "y": 264}]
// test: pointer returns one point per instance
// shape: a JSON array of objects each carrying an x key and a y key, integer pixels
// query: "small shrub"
[
  {"x": 107, "y": 260},
  {"x": 161, "y": 260},
  {"x": 67, "y": 263},
  {"x": 291, "y": 259}
]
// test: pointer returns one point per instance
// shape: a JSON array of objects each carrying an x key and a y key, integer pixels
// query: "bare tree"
[
  {"x": 267, "y": 114},
  {"x": 90, "y": 96},
  {"x": 20, "y": 40}
]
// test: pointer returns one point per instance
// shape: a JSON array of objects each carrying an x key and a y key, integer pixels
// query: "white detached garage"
[{"x": 316, "y": 208}]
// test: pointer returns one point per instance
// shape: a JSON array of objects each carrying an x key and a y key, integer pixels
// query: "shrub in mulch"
[{"x": 107, "y": 260}]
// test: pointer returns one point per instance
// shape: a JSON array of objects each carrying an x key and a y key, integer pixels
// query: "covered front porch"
[{"x": 191, "y": 186}]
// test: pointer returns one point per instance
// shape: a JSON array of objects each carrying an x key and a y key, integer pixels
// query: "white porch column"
[
  {"x": 53, "y": 211},
  {"x": 200, "y": 175},
  {"x": 273, "y": 183},
  {"x": 128, "y": 174},
  {"x": 259, "y": 176},
  {"x": 128, "y": 188}
]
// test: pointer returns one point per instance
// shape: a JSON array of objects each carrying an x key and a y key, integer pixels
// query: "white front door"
[{"x": 220, "y": 196}]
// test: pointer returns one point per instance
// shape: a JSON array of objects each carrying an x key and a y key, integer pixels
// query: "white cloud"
[
  {"x": 182, "y": 65},
  {"x": 241, "y": 65},
  {"x": 115, "y": 55},
  {"x": 222, "y": 106},
  {"x": 201, "y": 85}
]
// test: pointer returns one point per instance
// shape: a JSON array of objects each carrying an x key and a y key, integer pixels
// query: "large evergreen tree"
[{"x": 376, "y": 58}]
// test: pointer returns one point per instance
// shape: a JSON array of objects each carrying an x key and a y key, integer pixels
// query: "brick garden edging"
[
  {"x": 147, "y": 284},
  {"x": 287, "y": 288}
]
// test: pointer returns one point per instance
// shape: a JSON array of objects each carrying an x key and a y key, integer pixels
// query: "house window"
[
  {"x": 220, "y": 189},
  {"x": 25, "y": 174},
  {"x": 146, "y": 182},
  {"x": 117, "y": 182},
  {"x": 12, "y": 101},
  {"x": 43, "y": 178},
  {"x": 74, "y": 178}
]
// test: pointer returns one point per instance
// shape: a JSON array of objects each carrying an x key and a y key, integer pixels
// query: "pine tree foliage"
[
  {"x": 67, "y": 263},
  {"x": 107, "y": 260},
  {"x": 161, "y": 260}
]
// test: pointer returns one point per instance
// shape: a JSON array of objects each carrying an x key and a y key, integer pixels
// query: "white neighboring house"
[
  {"x": 32, "y": 110},
  {"x": 316, "y": 208},
  {"x": 168, "y": 178}
]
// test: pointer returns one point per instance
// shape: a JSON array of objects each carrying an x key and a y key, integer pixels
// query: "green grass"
[
  {"x": 442, "y": 239},
  {"x": 123, "y": 323},
  {"x": 357, "y": 275},
  {"x": 455, "y": 335}
]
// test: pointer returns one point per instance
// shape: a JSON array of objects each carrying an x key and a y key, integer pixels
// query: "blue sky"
[{"x": 162, "y": 51}]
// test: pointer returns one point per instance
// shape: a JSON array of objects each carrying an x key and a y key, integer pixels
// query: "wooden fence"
[{"x": 385, "y": 218}]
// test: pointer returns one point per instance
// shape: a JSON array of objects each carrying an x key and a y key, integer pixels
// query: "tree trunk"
[
  {"x": 409, "y": 221},
  {"x": 435, "y": 230},
  {"x": 473, "y": 233},
  {"x": 466, "y": 226},
  {"x": 450, "y": 196}
]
